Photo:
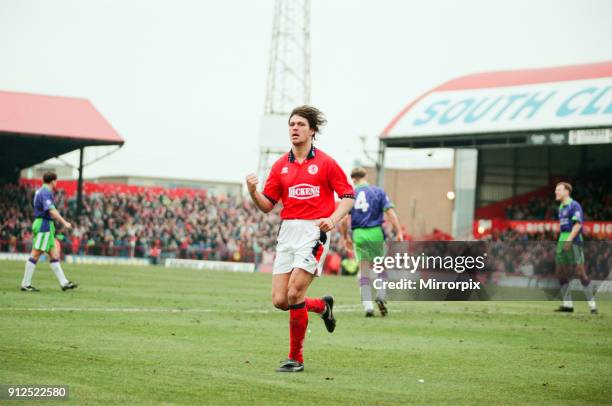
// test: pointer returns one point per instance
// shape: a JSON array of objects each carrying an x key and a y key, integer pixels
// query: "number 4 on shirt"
[{"x": 361, "y": 203}]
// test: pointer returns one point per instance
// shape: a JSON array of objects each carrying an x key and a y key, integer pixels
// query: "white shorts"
[{"x": 301, "y": 244}]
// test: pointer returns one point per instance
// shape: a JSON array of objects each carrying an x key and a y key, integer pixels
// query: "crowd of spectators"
[
  {"x": 156, "y": 225},
  {"x": 533, "y": 254},
  {"x": 197, "y": 226},
  {"x": 15, "y": 217}
]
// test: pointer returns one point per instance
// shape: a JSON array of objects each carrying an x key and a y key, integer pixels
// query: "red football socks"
[
  {"x": 315, "y": 305},
  {"x": 298, "y": 322}
]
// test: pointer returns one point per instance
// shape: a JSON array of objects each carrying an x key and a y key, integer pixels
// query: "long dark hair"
[{"x": 315, "y": 117}]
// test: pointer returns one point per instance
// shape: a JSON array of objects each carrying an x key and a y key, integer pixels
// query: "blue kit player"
[
  {"x": 372, "y": 205},
  {"x": 43, "y": 235},
  {"x": 569, "y": 257}
]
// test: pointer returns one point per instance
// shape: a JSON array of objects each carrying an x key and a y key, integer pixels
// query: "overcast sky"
[{"x": 183, "y": 82}]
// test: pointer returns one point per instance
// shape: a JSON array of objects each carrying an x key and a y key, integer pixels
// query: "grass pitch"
[{"x": 151, "y": 335}]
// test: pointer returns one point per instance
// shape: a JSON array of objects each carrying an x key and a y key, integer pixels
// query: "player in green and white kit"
[
  {"x": 569, "y": 256},
  {"x": 43, "y": 235},
  {"x": 368, "y": 240}
]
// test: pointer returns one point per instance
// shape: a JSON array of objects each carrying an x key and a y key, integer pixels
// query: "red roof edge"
[{"x": 54, "y": 117}]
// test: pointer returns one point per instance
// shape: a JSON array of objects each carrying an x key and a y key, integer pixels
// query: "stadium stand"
[
  {"x": 136, "y": 222},
  {"x": 150, "y": 222},
  {"x": 533, "y": 254},
  {"x": 592, "y": 190},
  {"x": 157, "y": 223}
]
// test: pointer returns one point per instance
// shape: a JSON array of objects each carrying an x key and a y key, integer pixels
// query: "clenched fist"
[{"x": 251, "y": 182}]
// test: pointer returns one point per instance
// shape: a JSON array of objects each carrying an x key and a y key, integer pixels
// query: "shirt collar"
[
  {"x": 311, "y": 154},
  {"x": 364, "y": 184},
  {"x": 568, "y": 203}
]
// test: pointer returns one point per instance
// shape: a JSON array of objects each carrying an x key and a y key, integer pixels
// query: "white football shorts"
[{"x": 301, "y": 244}]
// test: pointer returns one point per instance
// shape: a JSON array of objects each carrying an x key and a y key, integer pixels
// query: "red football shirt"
[{"x": 307, "y": 189}]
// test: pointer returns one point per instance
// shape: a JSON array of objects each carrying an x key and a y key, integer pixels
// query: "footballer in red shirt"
[{"x": 304, "y": 180}]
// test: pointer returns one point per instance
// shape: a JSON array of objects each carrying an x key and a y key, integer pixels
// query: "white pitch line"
[{"x": 344, "y": 308}]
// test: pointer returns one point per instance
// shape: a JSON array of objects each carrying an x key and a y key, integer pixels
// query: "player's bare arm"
[
  {"x": 392, "y": 217},
  {"x": 259, "y": 199},
  {"x": 328, "y": 224},
  {"x": 345, "y": 225},
  {"x": 58, "y": 217}
]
